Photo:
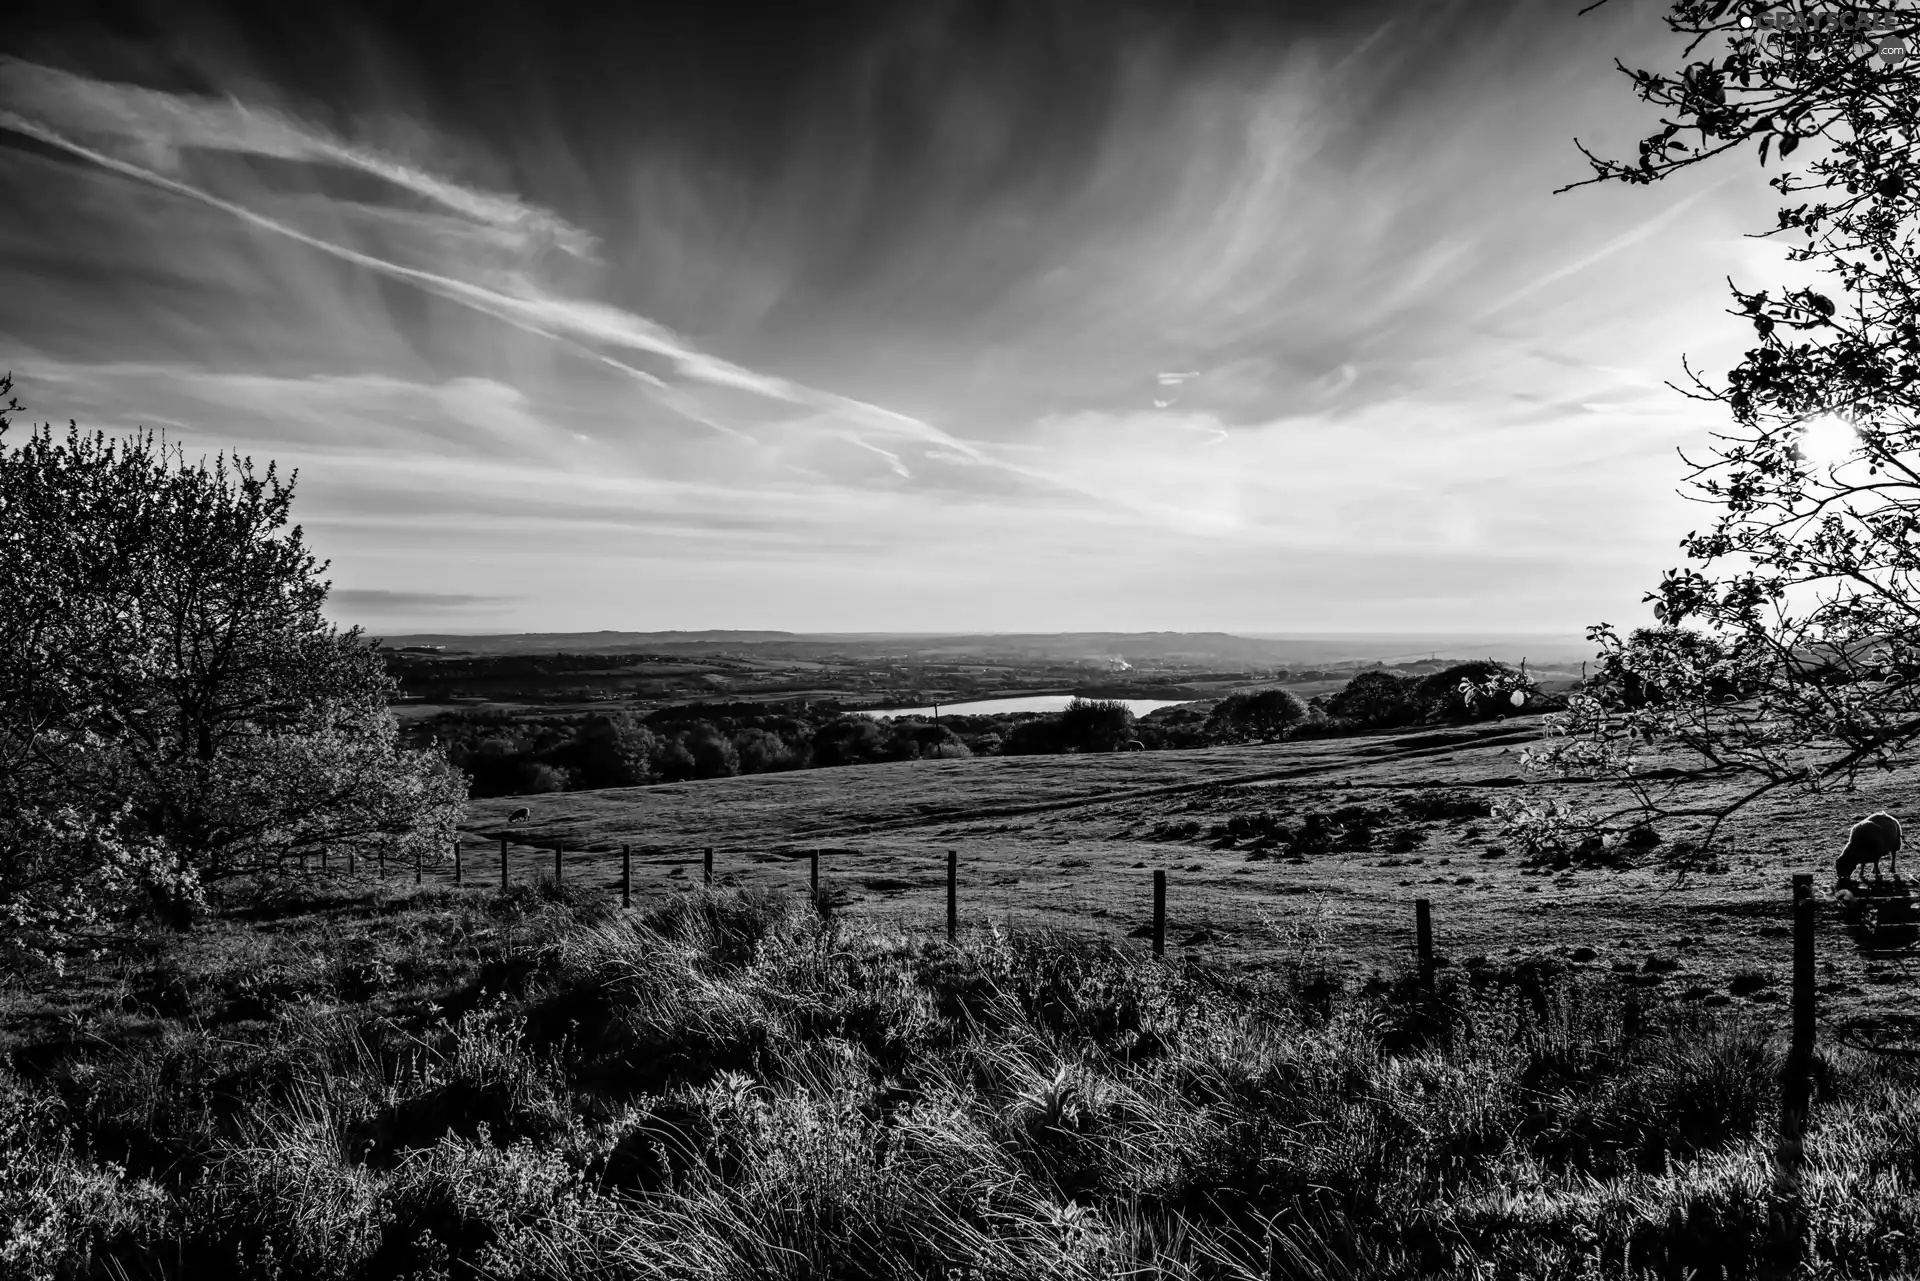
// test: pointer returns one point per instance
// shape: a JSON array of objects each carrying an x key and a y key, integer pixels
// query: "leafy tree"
[
  {"x": 1040, "y": 736},
  {"x": 1472, "y": 690},
  {"x": 1376, "y": 698},
  {"x": 923, "y": 740},
  {"x": 167, "y": 681},
  {"x": 532, "y": 778},
  {"x": 851, "y": 740},
  {"x": 615, "y": 751},
  {"x": 1802, "y": 589},
  {"x": 762, "y": 751},
  {"x": 1095, "y": 724},
  {"x": 1265, "y": 715},
  {"x": 987, "y": 744},
  {"x": 675, "y": 763},
  {"x": 713, "y": 753}
]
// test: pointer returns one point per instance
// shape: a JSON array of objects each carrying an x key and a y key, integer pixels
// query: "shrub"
[
  {"x": 1036, "y": 737},
  {"x": 1265, "y": 715},
  {"x": 851, "y": 740},
  {"x": 614, "y": 751},
  {"x": 1441, "y": 695},
  {"x": 1377, "y": 699},
  {"x": 762, "y": 751},
  {"x": 1095, "y": 725}
]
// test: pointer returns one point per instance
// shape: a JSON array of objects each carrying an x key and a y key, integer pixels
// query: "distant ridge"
[
  {"x": 608, "y": 641},
  {"x": 1265, "y": 650}
]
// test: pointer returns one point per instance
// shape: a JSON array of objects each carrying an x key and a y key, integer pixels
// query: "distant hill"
[
  {"x": 1135, "y": 647},
  {"x": 604, "y": 642}
]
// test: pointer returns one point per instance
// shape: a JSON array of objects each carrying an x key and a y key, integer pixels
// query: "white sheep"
[{"x": 1871, "y": 839}]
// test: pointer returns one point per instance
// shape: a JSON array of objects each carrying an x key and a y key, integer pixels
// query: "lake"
[{"x": 1030, "y": 703}]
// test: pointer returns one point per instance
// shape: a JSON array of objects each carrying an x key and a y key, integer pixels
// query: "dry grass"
[
  {"x": 1070, "y": 843},
  {"x": 365, "y": 1080},
  {"x": 461, "y": 1084}
]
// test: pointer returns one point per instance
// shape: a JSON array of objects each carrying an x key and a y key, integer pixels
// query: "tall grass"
[{"x": 732, "y": 1086}]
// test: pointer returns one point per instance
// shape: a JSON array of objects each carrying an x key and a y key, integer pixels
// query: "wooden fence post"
[
  {"x": 458, "y": 870},
  {"x": 503, "y": 863},
  {"x": 1796, "y": 1092},
  {"x": 383, "y": 862},
  {"x": 1423, "y": 934},
  {"x": 626, "y": 875},
  {"x": 953, "y": 894},
  {"x": 323, "y": 860},
  {"x": 350, "y": 861},
  {"x": 814, "y": 881},
  {"x": 419, "y": 864},
  {"x": 709, "y": 867},
  {"x": 556, "y": 865},
  {"x": 1159, "y": 912},
  {"x": 1803, "y": 977}
]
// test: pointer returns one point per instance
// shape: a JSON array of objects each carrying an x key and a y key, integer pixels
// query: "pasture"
[
  {"x": 364, "y": 1079},
  {"x": 1070, "y": 843}
]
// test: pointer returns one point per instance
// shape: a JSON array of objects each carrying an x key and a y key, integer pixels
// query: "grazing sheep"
[
  {"x": 1872, "y": 839},
  {"x": 522, "y": 813}
]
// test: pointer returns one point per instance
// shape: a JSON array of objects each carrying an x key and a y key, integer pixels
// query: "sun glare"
[{"x": 1828, "y": 441}]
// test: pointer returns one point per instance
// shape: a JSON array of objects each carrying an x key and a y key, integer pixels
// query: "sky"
[{"x": 903, "y": 316}]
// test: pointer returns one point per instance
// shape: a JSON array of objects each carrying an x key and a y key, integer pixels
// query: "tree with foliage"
[
  {"x": 169, "y": 686},
  {"x": 1376, "y": 698},
  {"x": 851, "y": 740},
  {"x": 1038, "y": 736},
  {"x": 1787, "y": 655},
  {"x": 914, "y": 739},
  {"x": 615, "y": 751},
  {"x": 1475, "y": 690},
  {"x": 762, "y": 751},
  {"x": 1096, "y": 724},
  {"x": 1262, "y": 715}
]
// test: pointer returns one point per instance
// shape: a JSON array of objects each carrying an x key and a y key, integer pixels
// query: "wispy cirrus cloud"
[
  {"x": 155, "y": 127},
  {"x": 1165, "y": 319},
  {"x": 91, "y": 121}
]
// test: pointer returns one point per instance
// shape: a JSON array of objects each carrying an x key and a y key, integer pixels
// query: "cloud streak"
[
  {"x": 155, "y": 121},
  {"x": 1178, "y": 319}
]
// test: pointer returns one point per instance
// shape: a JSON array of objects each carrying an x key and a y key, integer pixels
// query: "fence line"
[{"x": 1796, "y": 1076}]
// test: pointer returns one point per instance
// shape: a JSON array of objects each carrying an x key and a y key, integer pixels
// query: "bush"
[
  {"x": 533, "y": 778},
  {"x": 1442, "y": 698},
  {"x": 1377, "y": 699},
  {"x": 1095, "y": 725},
  {"x": 762, "y": 751},
  {"x": 1266, "y": 715},
  {"x": 1038, "y": 737},
  {"x": 851, "y": 740},
  {"x": 614, "y": 751},
  {"x": 712, "y": 753}
]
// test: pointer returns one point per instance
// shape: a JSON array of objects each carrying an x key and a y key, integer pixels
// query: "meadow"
[
  {"x": 1342, "y": 833},
  {"x": 364, "y": 1078}
]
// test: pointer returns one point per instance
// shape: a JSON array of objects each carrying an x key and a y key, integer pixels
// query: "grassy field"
[
  {"x": 1070, "y": 843},
  {"x": 363, "y": 1079},
  {"x": 442, "y": 1083}
]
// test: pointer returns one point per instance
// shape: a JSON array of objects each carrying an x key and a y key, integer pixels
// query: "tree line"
[{"x": 505, "y": 754}]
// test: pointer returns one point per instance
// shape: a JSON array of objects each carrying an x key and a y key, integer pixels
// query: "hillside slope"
[{"x": 1336, "y": 837}]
